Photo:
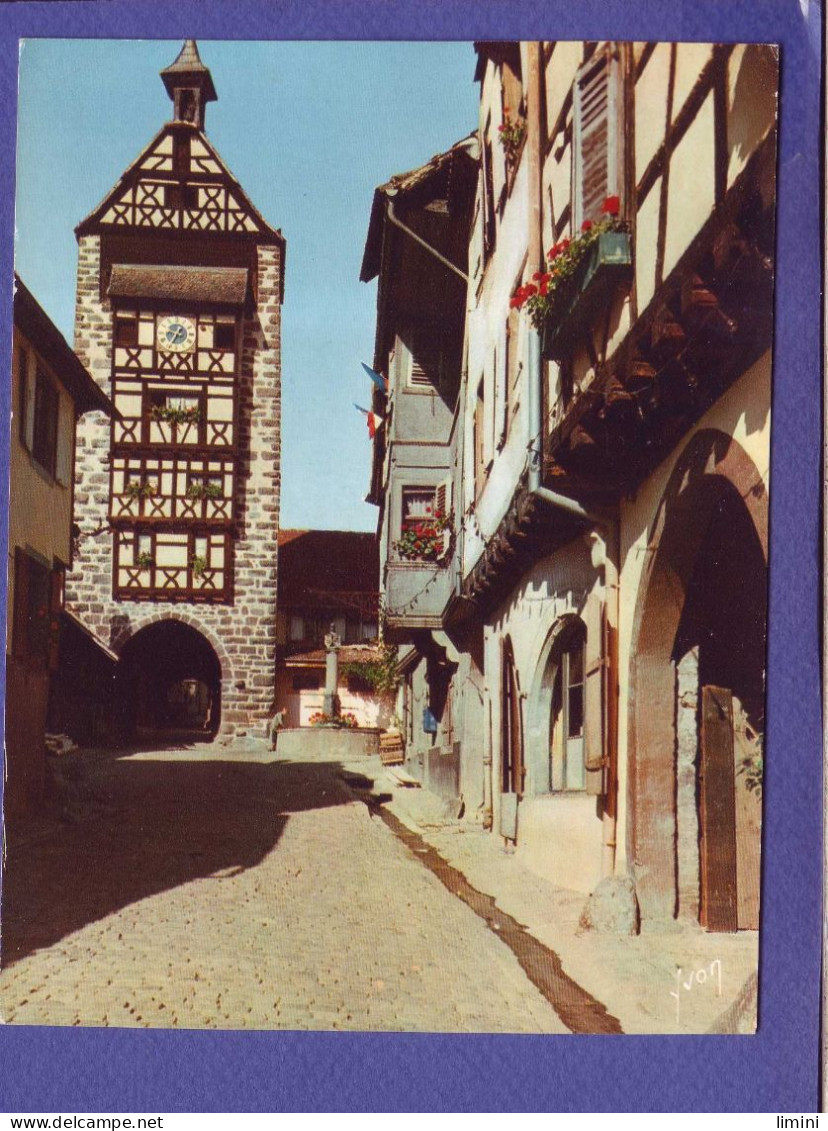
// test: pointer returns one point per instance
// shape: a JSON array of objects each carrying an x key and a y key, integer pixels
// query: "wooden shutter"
[
  {"x": 425, "y": 369},
  {"x": 596, "y": 136},
  {"x": 442, "y": 505},
  {"x": 65, "y": 440},
  {"x": 596, "y": 694}
]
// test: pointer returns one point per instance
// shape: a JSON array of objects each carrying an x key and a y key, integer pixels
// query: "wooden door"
[
  {"x": 717, "y": 813},
  {"x": 513, "y": 769}
]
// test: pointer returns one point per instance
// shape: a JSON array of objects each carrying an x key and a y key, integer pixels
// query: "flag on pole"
[
  {"x": 375, "y": 421},
  {"x": 378, "y": 379}
]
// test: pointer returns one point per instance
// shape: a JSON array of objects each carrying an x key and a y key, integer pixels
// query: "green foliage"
[
  {"x": 548, "y": 288},
  {"x": 199, "y": 490},
  {"x": 139, "y": 489},
  {"x": 144, "y": 560},
  {"x": 199, "y": 565},
  {"x": 380, "y": 674},
  {"x": 424, "y": 541},
  {"x": 751, "y": 768},
  {"x": 510, "y": 135},
  {"x": 171, "y": 414}
]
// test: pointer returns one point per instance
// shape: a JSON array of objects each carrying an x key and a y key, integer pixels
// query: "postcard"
[{"x": 389, "y": 536}]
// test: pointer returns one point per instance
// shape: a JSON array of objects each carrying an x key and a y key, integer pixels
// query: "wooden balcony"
[{"x": 608, "y": 265}]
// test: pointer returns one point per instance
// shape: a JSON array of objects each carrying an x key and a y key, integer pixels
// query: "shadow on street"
[{"x": 163, "y": 822}]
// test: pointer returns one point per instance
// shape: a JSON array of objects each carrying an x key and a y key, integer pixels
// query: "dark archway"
[
  {"x": 168, "y": 680},
  {"x": 704, "y": 592}
]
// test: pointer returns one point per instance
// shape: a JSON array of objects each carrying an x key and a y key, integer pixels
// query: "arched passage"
[
  {"x": 697, "y": 676},
  {"x": 168, "y": 679}
]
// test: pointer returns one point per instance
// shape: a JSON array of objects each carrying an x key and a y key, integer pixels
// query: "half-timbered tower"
[{"x": 180, "y": 283}]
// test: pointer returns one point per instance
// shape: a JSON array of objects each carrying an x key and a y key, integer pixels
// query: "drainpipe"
[
  {"x": 392, "y": 216},
  {"x": 535, "y": 262},
  {"x": 534, "y": 376}
]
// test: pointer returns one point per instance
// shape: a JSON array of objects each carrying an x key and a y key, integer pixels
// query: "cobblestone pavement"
[{"x": 218, "y": 890}]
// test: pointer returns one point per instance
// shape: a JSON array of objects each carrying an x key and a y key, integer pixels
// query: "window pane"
[
  {"x": 576, "y": 711},
  {"x": 44, "y": 447},
  {"x": 418, "y": 503}
]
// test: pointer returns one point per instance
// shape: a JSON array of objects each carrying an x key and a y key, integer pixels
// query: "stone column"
[
  {"x": 331, "y": 699},
  {"x": 687, "y": 812}
]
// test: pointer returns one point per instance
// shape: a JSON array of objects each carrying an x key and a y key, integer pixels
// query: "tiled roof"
[
  {"x": 188, "y": 59},
  {"x": 316, "y": 563},
  {"x": 348, "y": 654},
  {"x": 226, "y": 285},
  {"x": 189, "y": 64}
]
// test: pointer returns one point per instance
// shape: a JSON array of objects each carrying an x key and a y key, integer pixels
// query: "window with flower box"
[{"x": 425, "y": 525}]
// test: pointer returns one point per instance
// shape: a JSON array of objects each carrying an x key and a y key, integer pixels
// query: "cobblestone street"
[{"x": 208, "y": 890}]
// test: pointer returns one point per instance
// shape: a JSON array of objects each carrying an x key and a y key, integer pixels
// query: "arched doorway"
[
  {"x": 697, "y": 692},
  {"x": 168, "y": 680}
]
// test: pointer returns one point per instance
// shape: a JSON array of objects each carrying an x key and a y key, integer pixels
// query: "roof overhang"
[
  {"x": 36, "y": 325},
  {"x": 222, "y": 286},
  {"x": 403, "y": 184}
]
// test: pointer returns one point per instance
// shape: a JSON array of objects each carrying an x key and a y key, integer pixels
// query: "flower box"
[{"x": 608, "y": 263}]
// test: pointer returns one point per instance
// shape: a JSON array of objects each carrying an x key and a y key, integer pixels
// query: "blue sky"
[{"x": 309, "y": 129}]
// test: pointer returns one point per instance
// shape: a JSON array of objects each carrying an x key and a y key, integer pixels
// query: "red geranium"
[
  {"x": 611, "y": 206},
  {"x": 587, "y": 224}
]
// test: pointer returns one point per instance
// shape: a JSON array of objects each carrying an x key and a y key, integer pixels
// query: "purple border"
[{"x": 120, "y": 1070}]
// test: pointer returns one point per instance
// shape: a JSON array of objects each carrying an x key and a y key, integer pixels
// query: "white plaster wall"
[
  {"x": 742, "y": 412},
  {"x": 559, "y": 835},
  {"x": 487, "y": 360},
  {"x": 300, "y": 705}
]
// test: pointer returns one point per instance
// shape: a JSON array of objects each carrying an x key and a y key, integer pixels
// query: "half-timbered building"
[
  {"x": 180, "y": 284},
  {"x": 610, "y": 446}
]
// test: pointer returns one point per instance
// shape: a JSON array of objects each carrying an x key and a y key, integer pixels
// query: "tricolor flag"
[
  {"x": 378, "y": 379},
  {"x": 375, "y": 421}
]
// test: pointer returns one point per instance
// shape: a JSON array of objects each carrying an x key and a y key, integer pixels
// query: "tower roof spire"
[{"x": 189, "y": 85}]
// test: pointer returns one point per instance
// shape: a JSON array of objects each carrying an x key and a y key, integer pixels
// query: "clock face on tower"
[{"x": 176, "y": 333}]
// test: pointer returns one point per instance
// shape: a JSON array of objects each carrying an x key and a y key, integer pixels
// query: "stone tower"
[{"x": 179, "y": 292}]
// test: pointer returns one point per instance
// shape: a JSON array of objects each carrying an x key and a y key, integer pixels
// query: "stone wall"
[{"x": 246, "y": 627}]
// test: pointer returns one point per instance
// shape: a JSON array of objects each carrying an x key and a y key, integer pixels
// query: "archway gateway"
[
  {"x": 697, "y": 692},
  {"x": 168, "y": 680}
]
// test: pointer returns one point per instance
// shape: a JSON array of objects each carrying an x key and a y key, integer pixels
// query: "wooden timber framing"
[{"x": 705, "y": 325}]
